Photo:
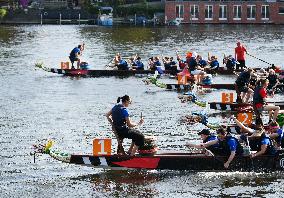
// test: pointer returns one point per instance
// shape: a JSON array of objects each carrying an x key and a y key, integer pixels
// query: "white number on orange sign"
[
  {"x": 102, "y": 146},
  {"x": 245, "y": 118},
  {"x": 227, "y": 97}
]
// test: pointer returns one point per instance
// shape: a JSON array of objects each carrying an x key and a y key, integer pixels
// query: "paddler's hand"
[
  {"x": 141, "y": 121},
  {"x": 227, "y": 164}
]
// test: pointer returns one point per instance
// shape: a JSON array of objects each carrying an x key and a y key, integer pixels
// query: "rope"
[{"x": 261, "y": 60}]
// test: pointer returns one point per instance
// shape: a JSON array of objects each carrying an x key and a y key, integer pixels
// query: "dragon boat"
[
  {"x": 173, "y": 161},
  {"x": 123, "y": 73},
  {"x": 236, "y": 106}
]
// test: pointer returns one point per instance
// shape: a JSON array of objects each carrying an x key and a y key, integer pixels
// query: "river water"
[{"x": 36, "y": 105}]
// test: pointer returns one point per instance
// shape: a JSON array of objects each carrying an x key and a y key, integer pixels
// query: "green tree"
[{"x": 3, "y": 13}]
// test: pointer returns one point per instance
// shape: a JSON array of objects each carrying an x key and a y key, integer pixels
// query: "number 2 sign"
[
  {"x": 245, "y": 118},
  {"x": 102, "y": 147}
]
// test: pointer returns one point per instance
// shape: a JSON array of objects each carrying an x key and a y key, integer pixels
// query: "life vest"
[
  {"x": 256, "y": 145},
  {"x": 243, "y": 78},
  {"x": 231, "y": 63},
  {"x": 257, "y": 98},
  {"x": 225, "y": 149},
  {"x": 74, "y": 52},
  {"x": 207, "y": 80},
  {"x": 280, "y": 139},
  {"x": 117, "y": 117},
  {"x": 122, "y": 65}
]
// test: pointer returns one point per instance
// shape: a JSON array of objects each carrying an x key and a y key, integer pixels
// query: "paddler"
[
  {"x": 118, "y": 116},
  {"x": 257, "y": 138},
  {"x": 206, "y": 136},
  {"x": 74, "y": 55},
  {"x": 121, "y": 64},
  {"x": 259, "y": 101},
  {"x": 242, "y": 86},
  {"x": 275, "y": 132},
  {"x": 229, "y": 145}
]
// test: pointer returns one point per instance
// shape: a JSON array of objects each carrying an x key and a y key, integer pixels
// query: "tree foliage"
[{"x": 3, "y": 13}]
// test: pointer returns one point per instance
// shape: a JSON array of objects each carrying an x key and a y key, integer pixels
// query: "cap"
[{"x": 204, "y": 132}]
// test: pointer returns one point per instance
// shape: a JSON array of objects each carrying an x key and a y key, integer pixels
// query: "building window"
[
  {"x": 179, "y": 11},
  {"x": 265, "y": 12},
  {"x": 251, "y": 9},
  {"x": 223, "y": 12},
  {"x": 237, "y": 12},
  {"x": 281, "y": 10},
  {"x": 209, "y": 12},
  {"x": 194, "y": 12}
]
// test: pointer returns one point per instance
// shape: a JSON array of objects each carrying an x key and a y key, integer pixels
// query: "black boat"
[
  {"x": 236, "y": 106},
  {"x": 175, "y": 161}
]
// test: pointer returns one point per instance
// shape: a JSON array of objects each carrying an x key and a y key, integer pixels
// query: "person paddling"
[
  {"x": 229, "y": 146},
  {"x": 206, "y": 136},
  {"x": 74, "y": 55},
  {"x": 259, "y": 101},
  {"x": 118, "y": 116}
]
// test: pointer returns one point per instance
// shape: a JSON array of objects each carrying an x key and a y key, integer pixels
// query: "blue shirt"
[
  {"x": 139, "y": 64},
  {"x": 75, "y": 51},
  {"x": 214, "y": 64},
  {"x": 232, "y": 144},
  {"x": 280, "y": 135},
  {"x": 119, "y": 115}
]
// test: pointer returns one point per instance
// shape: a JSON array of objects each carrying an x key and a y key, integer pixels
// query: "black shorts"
[
  {"x": 73, "y": 59},
  {"x": 242, "y": 87},
  {"x": 242, "y": 64},
  {"x": 133, "y": 134}
]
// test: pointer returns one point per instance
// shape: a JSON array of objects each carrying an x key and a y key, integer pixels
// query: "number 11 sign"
[{"x": 102, "y": 147}]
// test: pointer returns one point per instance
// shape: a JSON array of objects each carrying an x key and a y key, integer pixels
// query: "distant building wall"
[{"x": 269, "y": 11}]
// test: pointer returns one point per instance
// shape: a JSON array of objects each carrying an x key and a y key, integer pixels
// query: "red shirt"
[
  {"x": 240, "y": 53},
  {"x": 263, "y": 94}
]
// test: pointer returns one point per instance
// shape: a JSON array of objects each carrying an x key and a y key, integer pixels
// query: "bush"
[
  {"x": 3, "y": 13},
  {"x": 123, "y": 11}
]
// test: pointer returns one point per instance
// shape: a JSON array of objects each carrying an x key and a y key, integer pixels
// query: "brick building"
[{"x": 250, "y": 11}]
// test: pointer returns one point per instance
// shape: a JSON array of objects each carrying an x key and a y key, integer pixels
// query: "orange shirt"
[{"x": 240, "y": 53}]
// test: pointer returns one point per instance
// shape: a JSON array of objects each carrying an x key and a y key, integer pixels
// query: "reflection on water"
[{"x": 36, "y": 105}]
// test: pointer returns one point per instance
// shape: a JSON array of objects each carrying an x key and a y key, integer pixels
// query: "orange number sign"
[
  {"x": 64, "y": 65},
  {"x": 182, "y": 79},
  {"x": 101, "y": 147},
  {"x": 227, "y": 97},
  {"x": 245, "y": 118}
]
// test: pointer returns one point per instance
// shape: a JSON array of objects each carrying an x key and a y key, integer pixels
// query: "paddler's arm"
[
  {"x": 230, "y": 159},
  {"x": 131, "y": 124},
  {"x": 244, "y": 129},
  {"x": 261, "y": 152}
]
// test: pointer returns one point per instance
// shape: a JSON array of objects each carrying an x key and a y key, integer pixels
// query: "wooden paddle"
[{"x": 273, "y": 66}]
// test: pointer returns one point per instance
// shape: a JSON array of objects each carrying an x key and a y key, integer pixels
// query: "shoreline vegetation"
[{"x": 85, "y": 14}]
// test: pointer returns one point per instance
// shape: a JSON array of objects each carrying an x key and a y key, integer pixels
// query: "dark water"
[{"x": 35, "y": 106}]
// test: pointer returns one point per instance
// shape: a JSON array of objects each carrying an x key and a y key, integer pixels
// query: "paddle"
[{"x": 273, "y": 66}]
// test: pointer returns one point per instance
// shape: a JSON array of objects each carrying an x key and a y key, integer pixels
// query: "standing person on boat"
[
  {"x": 121, "y": 64},
  {"x": 123, "y": 127},
  {"x": 206, "y": 136},
  {"x": 229, "y": 146},
  {"x": 240, "y": 51},
  {"x": 74, "y": 55},
  {"x": 242, "y": 86},
  {"x": 259, "y": 101}
]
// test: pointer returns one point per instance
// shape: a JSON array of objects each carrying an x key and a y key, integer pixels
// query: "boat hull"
[
  {"x": 236, "y": 106},
  {"x": 181, "y": 161}
]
